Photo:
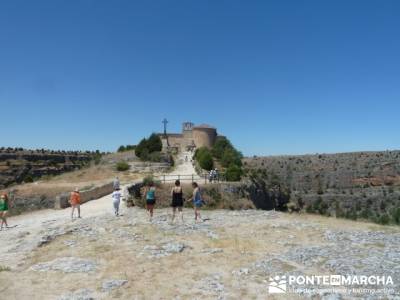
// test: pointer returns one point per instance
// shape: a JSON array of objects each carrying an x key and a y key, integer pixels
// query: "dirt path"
[{"x": 184, "y": 169}]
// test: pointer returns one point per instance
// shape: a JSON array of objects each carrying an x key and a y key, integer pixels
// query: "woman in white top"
[{"x": 116, "y": 196}]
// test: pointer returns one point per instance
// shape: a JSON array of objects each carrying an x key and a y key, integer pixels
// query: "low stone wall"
[
  {"x": 149, "y": 167},
  {"x": 21, "y": 204},
  {"x": 61, "y": 201}
]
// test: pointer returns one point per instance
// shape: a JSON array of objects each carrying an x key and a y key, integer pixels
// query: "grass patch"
[{"x": 5, "y": 269}]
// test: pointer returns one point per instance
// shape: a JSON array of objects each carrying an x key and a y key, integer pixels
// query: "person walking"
[
  {"x": 4, "y": 205},
  {"x": 150, "y": 199},
  {"x": 75, "y": 201},
  {"x": 116, "y": 196},
  {"x": 197, "y": 201},
  {"x": 177, "y": 200},
  {"x": 116, "y": 183}
]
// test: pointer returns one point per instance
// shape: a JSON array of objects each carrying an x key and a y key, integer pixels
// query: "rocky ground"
[{"x": 229, "y": 256}]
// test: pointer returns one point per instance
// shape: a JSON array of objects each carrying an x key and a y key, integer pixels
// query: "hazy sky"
[{"x": 276, "y": 77}]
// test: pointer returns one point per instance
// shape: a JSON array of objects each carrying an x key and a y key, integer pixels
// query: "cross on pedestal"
[{"x": 165, "y": 122}]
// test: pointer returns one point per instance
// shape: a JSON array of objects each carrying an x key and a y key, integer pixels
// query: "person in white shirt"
[
  {"x": 116, "y": 183},
  {"x": 116, "y": 196}
]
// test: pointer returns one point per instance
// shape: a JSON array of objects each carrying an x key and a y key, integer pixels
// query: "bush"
[
  {"x": 28, "y": 179},
  {"x": 310, "y": 209},
  {"x": 233, "y": 173},
  {"x": 219, "y": 147},
  {"x": 155, "y": 157},
  {"x": 204, "y": 158},
  {"x": 150, "y": 178},
  {"x": 206, "y": 162},
  {"x": 384, "y": 219},
  {"x": 396, "y": 215},
  {"x": 122, "y": 166},
  {"x": 231, "y": 156},
  {"x": 351, "y": 214}
]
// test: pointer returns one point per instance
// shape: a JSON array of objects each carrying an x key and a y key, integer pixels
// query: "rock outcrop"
[{"x": 19, "y": 165}]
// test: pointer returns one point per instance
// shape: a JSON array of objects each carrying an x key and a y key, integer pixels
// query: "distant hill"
[
  {"x": 363, "y": 185},
  {"x": 325, "y": 171},
  {"x": 19, "y": 165}
]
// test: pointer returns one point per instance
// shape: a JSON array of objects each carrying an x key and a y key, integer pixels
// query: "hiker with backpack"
[
  {"x": 4, "y": 205},
  {"x": 197, "y": 201},
  {"x": 150, "y": 194},
  {"x": 177, "y": 200},
  {"x": 75, "y": 201}
]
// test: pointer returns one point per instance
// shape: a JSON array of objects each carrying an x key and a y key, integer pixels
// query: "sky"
[{"x": 275, "y": 77}]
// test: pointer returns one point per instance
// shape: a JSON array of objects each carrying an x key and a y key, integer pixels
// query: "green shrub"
[
  {"x": 231, "y": 156},
  {"x": 233, "y": 173},
  {"x": 5, "y": 269},
  {"x": 204, "y": 158},
  {"x": 384, "y": 219},
  {"x": 28, "y": 179},
  {"x": 310, "y": 209},
  {"x": 206, "y": 161},
  {"x": 365, "y": 214},
  {"x": 338, "y": 210},
  {"x": 121, "y": 148},
  {"x": 155, "y": 157},
  {"x": 317, "y": 204},
  {"x": 396, "y": 215},
  {"x": 148, "y": 179},
  {"x": 351, "y": 214},
  {"x": 122, "y": 166},
  {"x": 219, "y": 147}
]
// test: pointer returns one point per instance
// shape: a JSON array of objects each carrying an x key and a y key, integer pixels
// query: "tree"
[
  {"x": 233, "y": 173},
  {"x": 154, "y": 143},
  {"x": 204, "y": 158},
  {"x": 140, "y": 147},
  {"x": 220, "y": 146},
  {"x": 148, "y": 146},
  {"x": 231, "y": 156}
]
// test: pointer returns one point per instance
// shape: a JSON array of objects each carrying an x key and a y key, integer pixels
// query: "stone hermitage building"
[{"x": 192, "y": 137}]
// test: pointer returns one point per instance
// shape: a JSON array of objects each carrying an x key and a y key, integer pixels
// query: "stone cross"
[{"x": 165, "y": 122}]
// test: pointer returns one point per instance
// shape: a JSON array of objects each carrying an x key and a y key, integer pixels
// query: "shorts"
[
  {"x": 116, "y": 205},
  {"x": 177, "y": 203},
  {"x": 198, "y": 204},
  {"x": 150, "y": 201},
  {"x": 4, "y": 207}
]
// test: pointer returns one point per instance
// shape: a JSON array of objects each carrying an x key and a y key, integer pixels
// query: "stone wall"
[
  {"x": 61, "y": 201},
  {"x": 22, "y": 204}
]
